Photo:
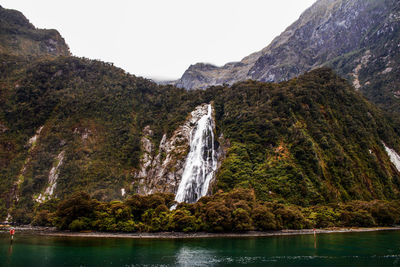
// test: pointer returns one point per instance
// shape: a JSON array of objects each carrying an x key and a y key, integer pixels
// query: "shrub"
[
  {"x": 361, "y": 218},
  {"x": 384, "y": 213},
  {"x": 182, "y": 220},
  {"x": 80, "y": 224},
  {"x": 264, "y": 219},
  {"x": 218, "y": 217},
  {"x": 127, "y": 226},
  {"x": 241, "y": 220},
  {"x": 323, "y": 216},
  {"x": 21, "y": 216},
  {"x": 42, "y": 218},
  {"x": 290, "y": 217}
]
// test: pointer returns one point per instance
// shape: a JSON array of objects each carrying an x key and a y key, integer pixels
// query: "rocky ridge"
[
  {"x": 357, "y": 38},
  {"x": 20, "y": 38},
  {"x": 306, "y": 141}
]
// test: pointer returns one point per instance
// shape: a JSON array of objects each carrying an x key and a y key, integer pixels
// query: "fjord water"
[{"x": 340, "y": 249}]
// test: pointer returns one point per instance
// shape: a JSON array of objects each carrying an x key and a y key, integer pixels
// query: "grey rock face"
[
  {"x": 162, "y": 171},
  {"x": 334, "y": 33}
]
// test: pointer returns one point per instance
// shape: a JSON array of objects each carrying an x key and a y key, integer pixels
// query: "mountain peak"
[
  {"x": 19, "y": 37},
  {"x": 335, "y": 33}
]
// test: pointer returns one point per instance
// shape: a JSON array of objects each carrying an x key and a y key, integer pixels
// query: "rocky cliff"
[
  {"x": 19, "y": 37},
  {"x": 161, "y": 167},
  {"x": 72, "y": 124},
  {"x": 358, "y": 38}
]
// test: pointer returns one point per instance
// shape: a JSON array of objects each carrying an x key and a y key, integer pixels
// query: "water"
[
  {"x": 394, "y": 157},
  {"x": 200, "y": 163},
  {"x": 350, "y": 249}
]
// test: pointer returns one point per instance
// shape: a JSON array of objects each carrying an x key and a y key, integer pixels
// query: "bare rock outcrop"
[
  {"x": 359, "y": 39},
  {"x": 161, "y": 170}
]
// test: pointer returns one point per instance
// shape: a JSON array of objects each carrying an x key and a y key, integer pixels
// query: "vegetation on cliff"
[
  {"x": 89, "y": 109},
  {"x": 357, "y": 38},
  {"x": 301, "y": 153},
  {"x": 311, "y": 140},
  {"x": 236, "y": 211},
  {"x": 19, "y": 37}
]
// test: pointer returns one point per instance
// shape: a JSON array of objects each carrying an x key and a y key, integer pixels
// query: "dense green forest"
[
  {"x": 69, "y": 97},
  {"x": 302, "y": 153},
  {"x": 236, "y": 211},
  {"x": 308, "y": 141}
]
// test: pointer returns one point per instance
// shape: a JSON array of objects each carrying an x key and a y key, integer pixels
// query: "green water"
[{"x": 350, "y": 249}]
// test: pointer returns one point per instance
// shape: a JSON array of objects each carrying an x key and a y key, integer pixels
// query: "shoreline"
[{"x": 47, "y": 231}]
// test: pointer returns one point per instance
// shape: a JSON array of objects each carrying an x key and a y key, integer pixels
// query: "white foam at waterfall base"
[
  {"x": 201, "y": 161},
  {"x": 394, "y": 157}
]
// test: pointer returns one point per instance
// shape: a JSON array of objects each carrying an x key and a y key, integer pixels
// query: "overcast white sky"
[{"x": 159, "y": 39}]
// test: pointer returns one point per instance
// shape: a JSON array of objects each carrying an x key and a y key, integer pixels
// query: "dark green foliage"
[
  {"x": 22, "y": 215},
  {"x": 357, "y": 218},
  {"x": 264, "y": 219},
  {"x": 385, "y": 213},
  {"x": 311, "y": 140},
  {"x": 291, "y": 217},
  {"x": 92, "y": 112},
  {"x": 3, "y": 209},
  {"x": 42, "y": 218},
  {"x": 236, "y": 211},
  {"x": 74, "y": 211},
  {"x": 326, "y": 216},
  {"x": 241, "y": 220},
  {"x": 183, "y": 221},
  {"x": 218, "y": 217}
]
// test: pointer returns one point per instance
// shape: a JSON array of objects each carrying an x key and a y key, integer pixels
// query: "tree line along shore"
[{"x": 237, "y": 211}]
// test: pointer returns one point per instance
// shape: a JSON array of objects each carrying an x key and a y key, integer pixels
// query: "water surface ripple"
[{"x": 340, "y": 249}]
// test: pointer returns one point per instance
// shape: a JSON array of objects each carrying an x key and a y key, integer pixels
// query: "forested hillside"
[
  {"x": 357, "y": 38},
  {"x": 288, "y": 151},
  {"x": 310, "y": 140}
]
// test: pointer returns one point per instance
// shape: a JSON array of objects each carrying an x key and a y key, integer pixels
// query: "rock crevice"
[{"x": 161, "y": 170}]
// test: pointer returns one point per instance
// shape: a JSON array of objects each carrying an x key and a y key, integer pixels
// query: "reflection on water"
[
  {"x": 9, "y": 254},
  {"x": 194, "y": 256},
  {"x": 355, "y": 249},
  {"x": 10, "y": 248},
  {"x": 315, "y": 241}
]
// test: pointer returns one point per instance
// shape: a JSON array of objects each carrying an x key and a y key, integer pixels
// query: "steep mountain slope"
[
  {"x": 358, "y": 38},
  {"x": 89, "y": 116},
  {"x": 71, "y": 124},
  {"x": 306, "y": 141},
  {"x": 19, "y": 37}
]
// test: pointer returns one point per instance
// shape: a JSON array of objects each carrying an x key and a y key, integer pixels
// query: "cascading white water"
[
  {"x": 53, "y": 176},
  {"x": 201, "y": 161},
  {"x": 394, "y": 157}
]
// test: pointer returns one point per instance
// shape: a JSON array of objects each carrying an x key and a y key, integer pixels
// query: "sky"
[{"x": 160, "y": 39}]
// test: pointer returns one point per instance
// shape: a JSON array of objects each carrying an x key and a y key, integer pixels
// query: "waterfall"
[
  {"x": 394, "y": 157},
  {"x": 201, "y": 161},
  {"x": 53, "y": 176}
]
